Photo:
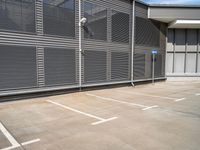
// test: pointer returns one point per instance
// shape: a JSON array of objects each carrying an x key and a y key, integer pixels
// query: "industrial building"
[{"x": 50, "y": 45}]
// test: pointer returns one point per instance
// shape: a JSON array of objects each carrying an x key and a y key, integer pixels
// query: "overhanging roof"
[
  {"x": 185, "y": 24},
  {"x": 176, "y": 15}
]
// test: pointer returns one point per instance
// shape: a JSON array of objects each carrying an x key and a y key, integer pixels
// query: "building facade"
[{"x": 44, "y": 46}]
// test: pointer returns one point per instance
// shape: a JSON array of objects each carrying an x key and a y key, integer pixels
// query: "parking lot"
[{"x": 163, "y": 116}]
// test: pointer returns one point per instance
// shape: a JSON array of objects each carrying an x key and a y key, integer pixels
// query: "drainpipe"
[
  {"x": 133, "y": 42},
  {"x": 80, "y": 50}
]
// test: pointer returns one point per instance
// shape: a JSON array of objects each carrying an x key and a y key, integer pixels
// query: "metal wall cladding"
[
  {"x": 120, "y": 27},
  {"x": 120, "y": 65},
  {"x": 18, "y": 67},
  {"x": 149, "y": 35},
  {"x": 159, "y": 66},
  {"x": 147, "y": 32},
  {"x": 60, "y": 66},
  {"x": 17, "y": 15},
  {"x": 139, "y": 66},
  {"x": 59, "y": 17},
  {"x": 96, "y": 26},
  {"x": 183, "y": 47},
  {"x": 95, "y": 66}
]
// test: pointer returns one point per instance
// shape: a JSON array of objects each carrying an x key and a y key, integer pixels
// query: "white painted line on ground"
[
  {"x": 30, "y": 142},
  {"x": 178, "y": 100},
  {"x": 150, "y": 95},
  {"x": 163, "y": 97},
  {"x": 102, "y": 120},
  {"x": 155, "y": 106},
  {"x": 105, "y": 120},
  {"x": 198, "y": 94},
  {"x": 123, "y": 102},
  {"x": 12, "y": 140}
]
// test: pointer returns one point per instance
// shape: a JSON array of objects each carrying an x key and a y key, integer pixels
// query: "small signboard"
[{"x": 154, "y": 52}]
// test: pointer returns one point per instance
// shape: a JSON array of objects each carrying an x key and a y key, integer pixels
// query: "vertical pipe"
[
  {"x": 186, "y": 45},
  {"x": 166, "y": 42},
  {"x": 80, "y": 47},
  {"x": 197, "y": 57},
  {"x": 153, "y": 68},
  {"x": 133, "y": 42},
  {"x": 174, "y": 49}
]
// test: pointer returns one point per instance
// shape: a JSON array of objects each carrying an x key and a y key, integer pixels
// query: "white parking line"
[
  {"x": 101, "y": 120},
  {"x": 12, "y": 140},
  {"x": 30, "y": 142},
  {"x": 197, "y": 94},
  {"x": 123, "y": 102},
  {"x": 178, "y": 100},
  {"x": 150, "y": 95}
]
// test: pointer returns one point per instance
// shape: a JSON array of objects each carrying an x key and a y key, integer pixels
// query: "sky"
[{"x": 189, "y": 2}]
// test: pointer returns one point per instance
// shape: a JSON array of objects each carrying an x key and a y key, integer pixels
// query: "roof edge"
[{"x": 168, "y": 5}]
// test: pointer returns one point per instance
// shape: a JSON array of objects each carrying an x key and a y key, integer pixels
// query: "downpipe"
[{"x": 133, "y": 42}]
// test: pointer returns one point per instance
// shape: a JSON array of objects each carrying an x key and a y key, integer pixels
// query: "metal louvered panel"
[
  {"x": 147, "y": 32},
  {"x": 40, "y": 66},
  {"x": 17, "y": 67},
  {"x": 59, "y": 17},
  {"x": 96, "y": 26},
  {"x": 120, "y": 65},
  {"x": 95, "y": 66},
  {"x": 158, "y": 65},
  {"x": 141, "y": 10},
  {"x": 17, "y": 15},
  {"x": 39, "y": 16},
  {"x": 120, "y": 27},
  {"x": 139, "y": 66},
  {"x": 60, "y": 66}
]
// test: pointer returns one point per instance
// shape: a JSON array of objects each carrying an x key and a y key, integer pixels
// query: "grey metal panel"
[
  {"x": 120, "y": 65},
  {"x": 191, "y": 40},
  {"x": 95, "y": 66},
  {"x": 191, "y": 63},
  {"x": 149, "y": 35},
  {"x": 179, "y": 63},
  {"x": 39, "y": 16},
  {"x": 18, "y": 67},
  {"x": 169, "y": 61},
  {"x": 139, "y": 66},
  {"x": 141, "y": 10},
  {"x": 147, "y": 32},
  {"x": 180, "y": 40},
  {"x": 60, "y": 66},
  {"x": 59, "y": 17},
  {"x": 174, "y": 13},
  {"x": 17, "y": 15},
  {"x": 40, "y": 66},
  {"x": 96, "y": 26},
  {"x": 159, "y": 66},
  {"x": 120, "y": 27}
]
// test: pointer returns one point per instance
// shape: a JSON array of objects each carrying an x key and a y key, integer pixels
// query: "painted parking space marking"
[
  {"x": 12, "y": 140},
  {"x": 197, "y": 94},
  {"x": 101, "y": 120},
  {"x": 156, "y": 96},
  {"x": 144, "y": 107},
  {"x": 178, "y": 100}
]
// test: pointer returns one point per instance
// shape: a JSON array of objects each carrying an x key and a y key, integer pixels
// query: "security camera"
[{"x": 83, "y": 20}]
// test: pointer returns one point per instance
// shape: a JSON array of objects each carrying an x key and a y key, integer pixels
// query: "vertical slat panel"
[
  {"x": 18, "y": 67},
  {"x": 60, "y": 66}
]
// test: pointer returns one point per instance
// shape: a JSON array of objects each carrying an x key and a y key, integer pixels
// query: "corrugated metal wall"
[
  {"x": 149, "y": 35},
  {"x": 42, "y": 53},
  {"x": 183, "y": 52}
]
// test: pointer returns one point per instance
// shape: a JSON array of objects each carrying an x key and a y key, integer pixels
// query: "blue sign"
[{"x": 154, "y": 51}]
